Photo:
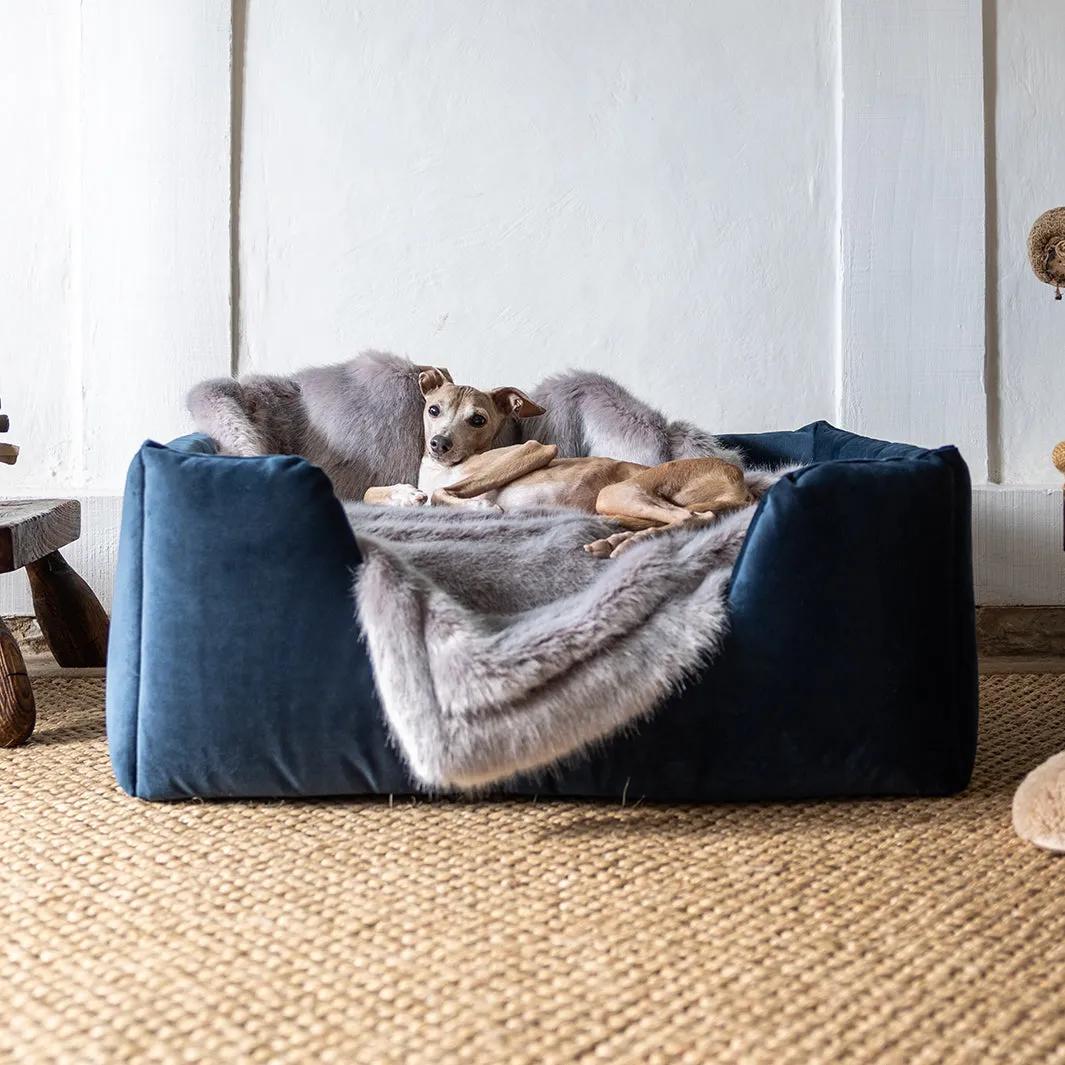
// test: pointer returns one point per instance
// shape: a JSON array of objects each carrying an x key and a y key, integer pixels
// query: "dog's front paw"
[{"x": 406, "y": 495}]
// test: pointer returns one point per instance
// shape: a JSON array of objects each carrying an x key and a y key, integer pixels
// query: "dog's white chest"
[{"x": 433, "y": 475}]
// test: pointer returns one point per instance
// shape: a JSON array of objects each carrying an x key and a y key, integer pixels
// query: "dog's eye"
[
  {"x": 434, "y": 410},
  {"x": 477, "y": 420}
]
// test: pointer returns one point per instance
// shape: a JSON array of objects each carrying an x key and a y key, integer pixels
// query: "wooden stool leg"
[
  {"x": 71, "y": 618},
  {"x": 18, "y": 712}
]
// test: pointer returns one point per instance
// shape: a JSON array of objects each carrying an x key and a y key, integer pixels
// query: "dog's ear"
[
  {"x": 432, "y": 377},
  {"x": 514, "y": 401}
]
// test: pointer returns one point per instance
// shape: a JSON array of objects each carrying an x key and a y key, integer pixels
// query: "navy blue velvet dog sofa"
[{"x": 236, "y": 667}]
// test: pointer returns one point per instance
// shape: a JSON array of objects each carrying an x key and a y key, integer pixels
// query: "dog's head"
[{"x": 461, "y": 421}]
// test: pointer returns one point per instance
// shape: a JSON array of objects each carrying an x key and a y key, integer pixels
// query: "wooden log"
[
  {"x": 18, "y": 712},
  {"x": 9, "y": 454},
  {"x": 73, "y": 622},
  {"x": 33, "y": 528}
]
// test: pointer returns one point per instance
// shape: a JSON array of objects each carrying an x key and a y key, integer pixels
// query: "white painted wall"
[
  {"x": 154, "y": 249},
  {"x": 114, "y": 260},
  {"x": 114, "y": 210},
  {"x": 1030, "y": 178},
  {"x": 510, "y": 189},
  {"x": 752, "y": 214},
  {"x": 38, "y": 197},
  {"x": 912, "y": 320}
]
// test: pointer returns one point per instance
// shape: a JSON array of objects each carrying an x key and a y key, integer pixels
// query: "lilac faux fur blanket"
[
  {"x": 499, "y": 645},
  {"x": 361, "y": 420}
]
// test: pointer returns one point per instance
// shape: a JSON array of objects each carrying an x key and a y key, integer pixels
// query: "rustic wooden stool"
[{"x": 72, "y": 620}]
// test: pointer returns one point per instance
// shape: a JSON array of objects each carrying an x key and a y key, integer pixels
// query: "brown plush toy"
[
  {"x": 1046, "y": 248},
  {"x": 1039, "y": 803}
]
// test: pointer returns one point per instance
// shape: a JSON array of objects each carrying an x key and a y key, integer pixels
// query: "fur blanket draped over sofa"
[{"x": 499, "y": 645}]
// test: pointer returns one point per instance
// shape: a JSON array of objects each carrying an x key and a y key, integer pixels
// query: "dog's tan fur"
[{"x": 462, "y": 469}]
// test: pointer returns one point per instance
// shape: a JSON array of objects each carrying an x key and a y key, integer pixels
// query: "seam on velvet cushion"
[
  {"x": 960, "y": 692},
  {"x": 964, "y": 648},
  {"x": 192, "y": 444},
  {"x": 124, "y": 680},
  {"x": 961, "y": 684},
  {"x": 140, "y": 628},
  {"x": 953, "y": 614},
  {"x": 795, "y": 476}
]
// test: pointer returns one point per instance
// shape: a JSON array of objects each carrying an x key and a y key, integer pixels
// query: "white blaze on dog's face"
[{"x": 461, "y": 421}]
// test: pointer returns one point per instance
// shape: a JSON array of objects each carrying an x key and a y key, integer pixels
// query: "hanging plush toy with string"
[{"x": 1046, "y": 248}]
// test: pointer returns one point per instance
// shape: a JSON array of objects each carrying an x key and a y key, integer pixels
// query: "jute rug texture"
[{"x": 908, "y": 931}]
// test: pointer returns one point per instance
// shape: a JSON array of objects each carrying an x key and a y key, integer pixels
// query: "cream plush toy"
[{"x": 1039, "y": 804}]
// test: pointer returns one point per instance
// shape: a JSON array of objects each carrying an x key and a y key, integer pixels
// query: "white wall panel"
[
  {"x": 510, "y": 189},
  {"x": 912, "y": 184},
  {"x": 155, "y": 177},
  {"x": 1030, "y": 177},
  {"x": 39, "y": 386}
]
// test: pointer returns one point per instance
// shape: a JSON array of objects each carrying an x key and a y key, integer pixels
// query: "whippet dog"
[{"x": 461, "y": 468}]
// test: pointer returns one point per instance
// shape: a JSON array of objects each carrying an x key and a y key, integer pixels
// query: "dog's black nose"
[{"x": 439, "y": 445}]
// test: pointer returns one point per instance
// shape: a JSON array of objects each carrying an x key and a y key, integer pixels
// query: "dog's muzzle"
[{"x": 439, "y": 445}]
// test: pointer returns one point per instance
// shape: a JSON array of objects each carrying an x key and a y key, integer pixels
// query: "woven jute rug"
[{"x": 880, "y": 931}]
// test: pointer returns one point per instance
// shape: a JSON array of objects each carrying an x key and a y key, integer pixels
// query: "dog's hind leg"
[
  {"x": 621, "y": 542},
  {"x": 606, "y": 547},
  {"x": 630, "y": 501},
  {"x": 640, "y": 503},
  {"x": 643, "y": 512}
]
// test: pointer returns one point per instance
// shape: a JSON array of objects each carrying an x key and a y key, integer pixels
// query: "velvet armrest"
[
  {"x": 233, "y": 590},
  {"x": 855, "y": 584}
]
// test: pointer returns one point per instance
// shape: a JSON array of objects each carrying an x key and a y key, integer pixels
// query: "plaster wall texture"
[{"x": 512, "y": 189}]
